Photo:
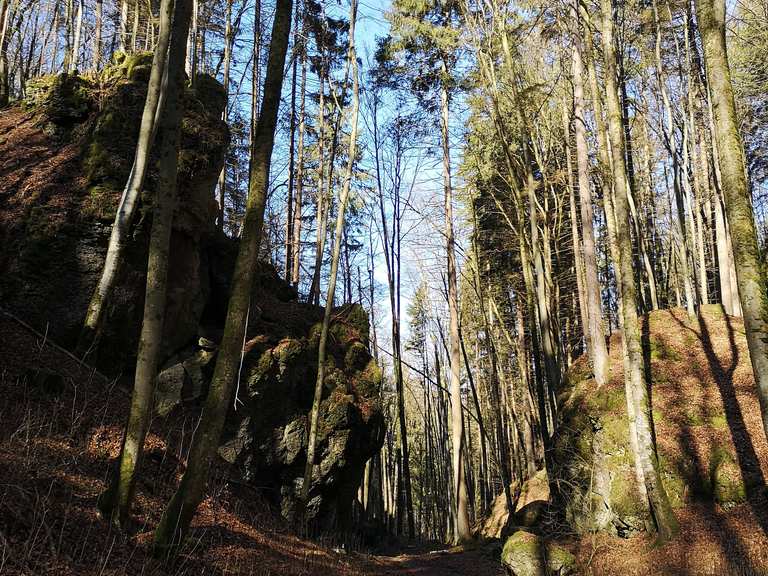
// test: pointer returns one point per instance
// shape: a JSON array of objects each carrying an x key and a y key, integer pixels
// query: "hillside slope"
[{"x": 713, "y": 454}]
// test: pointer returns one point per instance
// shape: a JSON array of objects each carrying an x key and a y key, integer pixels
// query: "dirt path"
[{"x": 452, "y": 562}]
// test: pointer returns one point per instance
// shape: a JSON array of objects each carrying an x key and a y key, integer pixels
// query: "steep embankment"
[
  {"x": 713, "y": 454},
  {"x": 65, "y": 153}
]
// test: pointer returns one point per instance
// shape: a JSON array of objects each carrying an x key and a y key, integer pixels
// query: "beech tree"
[
  {"x": 750, "y": 274},
  {"x": 638, "y": 401},
  {"x": 176, "y": 518},
  {"x": 116, "y": 501}
]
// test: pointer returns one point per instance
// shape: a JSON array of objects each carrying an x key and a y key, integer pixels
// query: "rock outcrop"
[
  {"x": 65, "y": 155},
  {"x": 706, "y": 416},
  {"x": 63, "y": 163}
]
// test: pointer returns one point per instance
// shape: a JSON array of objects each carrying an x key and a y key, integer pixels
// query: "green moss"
[
  {"x": 288, "y": 351},
  {"x": 527, "y": 554},
  {"x": 335, "y": 410},
  {"x": 259, "y": 373},
  {"x": 579, "y": 371},
  {"x": 350, "y": 323},
  {"x": 725, "y": 480},
  {"x": 616, "y": 433},
  {"x": 624, "y": 497},
  {"x": 133, "y": 66},
  {"x": 368, "y": 384},
  {"x": 101, "y": 202},
  {"x": 675, "y": 487},
  {"x": 693, "y": 417},
  {"x": 356, "y": 356},
  {"x": 719, "y": 422},
  {"x": 61, "y": 101},
  {"x": 607, "y": 399}
]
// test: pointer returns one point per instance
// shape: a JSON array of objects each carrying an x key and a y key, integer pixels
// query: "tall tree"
[
  {"x": 750, "y": 276},
  {"x": 638, "y": 401},
  {"x": 177, "y": 517},
  {"x": 116, "y": 501},
  {"x": 594, "y": 331},
  {"x": 336, "y": 251}
]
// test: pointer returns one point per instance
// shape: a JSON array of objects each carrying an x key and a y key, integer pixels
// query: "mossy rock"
[
  {"x": 725, "y": 479},
  {"x": 368, "y": 384},
  {"x": 62, "y": 101},
  {"x": 526, "y": 554},
  {"x": 134, "y": 66},
  {"x": 288, "y": 351},
  {"x": 261, "y": 371},
  {"x": 356, "y": 356},
  {"x": 209, "y": 91},
  {"x": 350, "y": 323}
]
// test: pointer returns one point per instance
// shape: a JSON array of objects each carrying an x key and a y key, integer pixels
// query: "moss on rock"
[
  {"x": 526, "y": 554},
  {"x": 725, "y": 480}
]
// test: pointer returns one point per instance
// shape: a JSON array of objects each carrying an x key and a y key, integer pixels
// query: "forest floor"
[{"x": 60, "y": 426}]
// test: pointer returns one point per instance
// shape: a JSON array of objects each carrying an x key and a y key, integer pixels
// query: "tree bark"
[
  {"x": 638, "y": 401},
  {"x": 97, "y": 32},
  {"x": 598, "y": 348},
  {"x": 177, "y": 517},
  {"x": 738, "y": 206},
  {"x": 228, "y": 40},
  {"x": 116, "y": 501}
]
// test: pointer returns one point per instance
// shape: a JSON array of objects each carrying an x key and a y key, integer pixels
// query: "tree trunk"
[
  {"x": 297, "y": 207},
  {"x": 123, "y": 25},
  {"x": 598, "y": 348},
  {"x": 228, "y": 40},
  {"x": 176, "y": 518},
  {"x": 5, "y": 12},
  {"x": 461, "y": 514},
  {"x": 126, "y": 210},
  {"x": 76, "y": 42},
  {"x": 116, "y": 501},
  {"x": 97, "y": 35},
  {"x": 638, "y": 401},
  {"x": 347, "y": 184},
  {"x": 738, "y": 206},
  {"x": 320, "y": 219},
  {"x": 290, "y": 220}
]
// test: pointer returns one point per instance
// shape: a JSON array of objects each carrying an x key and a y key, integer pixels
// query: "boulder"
[
  {"x": 267, "y": 431},
  {"x": 526, "y": 554}
]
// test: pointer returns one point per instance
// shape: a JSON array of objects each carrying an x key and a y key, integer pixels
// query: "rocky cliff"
[
  {"x": 64, "y": 158},
  {"x": 65, "y": 154}
]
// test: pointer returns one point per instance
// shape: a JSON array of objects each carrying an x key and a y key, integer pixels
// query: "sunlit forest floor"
[
  {"x": 704, "y": 403},
  {"x": 61, "y": 425}
]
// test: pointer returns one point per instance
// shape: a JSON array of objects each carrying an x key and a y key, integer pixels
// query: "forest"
[{"x": 428, "y": 287}]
